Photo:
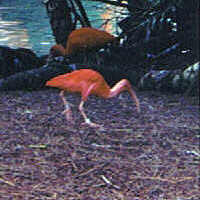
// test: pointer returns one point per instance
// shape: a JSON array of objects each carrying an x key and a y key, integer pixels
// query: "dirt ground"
[{"x": 154, "y": 155}]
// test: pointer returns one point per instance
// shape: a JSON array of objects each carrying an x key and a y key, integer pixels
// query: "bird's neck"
[
  {"x": 119, "y": 87},
  {"x": 63, "y": 50}
]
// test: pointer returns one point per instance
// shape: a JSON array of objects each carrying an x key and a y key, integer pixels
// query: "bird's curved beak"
[
  {"x": 53, "y": 58},
  {"x": 50, "y": 58}
]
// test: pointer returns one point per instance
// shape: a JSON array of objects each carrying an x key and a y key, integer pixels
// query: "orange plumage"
[
  {"x": 82, "y": 40},
  {"x": 80, "y": 81},
  {"x": 57, "y": 50},
  {"x": 87, "y": 82},
  {"x": 87, "y": 38}
]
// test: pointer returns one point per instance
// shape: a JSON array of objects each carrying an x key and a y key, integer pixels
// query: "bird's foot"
[{"x": 91, "y": 124}]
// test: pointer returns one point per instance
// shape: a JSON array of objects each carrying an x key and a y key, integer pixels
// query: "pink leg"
[
  {"x": 67, "y": 111},
  {"x": 87, "y": 120}
]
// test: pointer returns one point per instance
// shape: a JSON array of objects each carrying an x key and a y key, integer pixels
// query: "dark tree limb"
[
  {"x": 83, "y": 13},
  {"x": 32, "y": 79},
  {"x": 77, "y": 17},
  {"x": 114, "y": 3}
]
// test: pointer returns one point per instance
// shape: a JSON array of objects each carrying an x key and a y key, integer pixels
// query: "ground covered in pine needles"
[{"x": 154, "y": 155}]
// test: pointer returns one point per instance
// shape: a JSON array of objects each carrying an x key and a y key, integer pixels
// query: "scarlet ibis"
[
  {"x": 83, "y": 40},
  {"x": 87, "y": 82}
]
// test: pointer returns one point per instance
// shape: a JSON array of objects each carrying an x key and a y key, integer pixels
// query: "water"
[{"x": 24, "y": 23}]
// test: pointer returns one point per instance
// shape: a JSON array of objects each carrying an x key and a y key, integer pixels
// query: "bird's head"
[{"x": 56, "y": 51}]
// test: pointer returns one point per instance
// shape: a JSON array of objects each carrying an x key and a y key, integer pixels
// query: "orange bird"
[
  {"x": 82, "y": 40},
  {"x": 57, "y": 50},
  {"x": 87, "y": 82}
]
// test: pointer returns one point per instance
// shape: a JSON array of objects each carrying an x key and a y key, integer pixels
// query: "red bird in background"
[
  {"x": 83, "y": 40},
  {"x": 57, "y": 50},
  {"x": 87, "y": 82}
]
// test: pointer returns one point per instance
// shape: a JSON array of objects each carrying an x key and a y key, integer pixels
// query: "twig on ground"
[
  {"x": 7, "y": 182},
  {"x": 109, "y": 183}
]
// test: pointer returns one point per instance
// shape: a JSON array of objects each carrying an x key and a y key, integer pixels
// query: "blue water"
[{"x": 24, "y": 23}]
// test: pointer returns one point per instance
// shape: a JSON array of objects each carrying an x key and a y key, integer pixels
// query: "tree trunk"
[{"x": 60, "y": 16}]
